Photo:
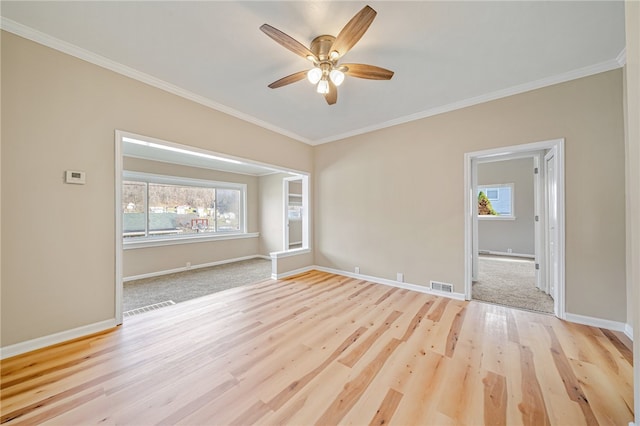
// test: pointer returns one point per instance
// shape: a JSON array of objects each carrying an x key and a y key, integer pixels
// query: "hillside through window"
[{"x": 156, "y": 206}]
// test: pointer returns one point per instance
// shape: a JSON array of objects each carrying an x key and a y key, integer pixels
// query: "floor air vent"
[
  {"x": 438, "y": 286},
  {"x": 148, "y": 308}
]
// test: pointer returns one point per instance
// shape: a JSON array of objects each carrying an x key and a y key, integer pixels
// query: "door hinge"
[
  {"x": 537, "y": 266},
  {"x": 535, "y": 170},
  {"x": 536, "y": 218}
]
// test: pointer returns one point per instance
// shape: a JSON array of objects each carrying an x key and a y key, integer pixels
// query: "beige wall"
[
  {"x": 502, "y": 235},
  {"x": 58, "y": 241},
  {"x": 164, "y": 258},
  {"x": 392, "y": 200},
  {"x": 140, "y": 261}
]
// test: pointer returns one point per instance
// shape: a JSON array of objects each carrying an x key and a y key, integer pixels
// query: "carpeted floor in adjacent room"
[
  {"x": 188, "y": 285},
  {"x": 511, "y": 282}
]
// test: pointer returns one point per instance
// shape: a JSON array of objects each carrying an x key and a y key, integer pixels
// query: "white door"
[{"x": 551, "y": 221}]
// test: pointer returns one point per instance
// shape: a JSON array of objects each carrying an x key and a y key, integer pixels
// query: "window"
[
  {"x": 155, "y": 206},
  {"x": 495, "y": 201}
]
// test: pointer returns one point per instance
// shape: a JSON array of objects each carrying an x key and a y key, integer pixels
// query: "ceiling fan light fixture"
[
  {"x": 336, "y": 76},
  {"x": 324, "y": 52},
  {"x": 323, "y": 87},
  {"x": 314, "y": 75}
]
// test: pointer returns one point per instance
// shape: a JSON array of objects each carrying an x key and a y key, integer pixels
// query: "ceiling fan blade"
[
  {"x": 288, "y": 42},
  {"x": 300, "y": 75},
  {"x": 368, "y": 71},
  {"x": 332, "y": 96},
  {"x": 353, "y": 31}
]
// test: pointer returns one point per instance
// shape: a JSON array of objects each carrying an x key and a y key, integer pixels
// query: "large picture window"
[{"x": 155, "y": 206}]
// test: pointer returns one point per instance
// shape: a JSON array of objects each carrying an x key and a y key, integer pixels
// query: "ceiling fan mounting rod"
[{"x": 321, "y": 46}]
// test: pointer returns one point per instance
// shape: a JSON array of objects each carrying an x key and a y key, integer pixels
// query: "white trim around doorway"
[{"x": 470, "y": 230}]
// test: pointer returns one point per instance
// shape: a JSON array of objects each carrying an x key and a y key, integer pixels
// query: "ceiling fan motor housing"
[{"x": 321, "y": 47}]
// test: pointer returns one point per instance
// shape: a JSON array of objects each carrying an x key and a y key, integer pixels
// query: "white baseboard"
[
  {"x": 53, "y": 339},
  {"x": 184, "y": 268},
  {"x": 392, "y": 283},
  {"x": 628, "y": 331},
  {"x": 596, "y": 322},
  {"x": 292, "y": 273}
]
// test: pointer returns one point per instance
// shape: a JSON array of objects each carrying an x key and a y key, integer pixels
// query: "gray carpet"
[
  {"x": 188, "y": 285},
  {"x": 511, "y": 282}
]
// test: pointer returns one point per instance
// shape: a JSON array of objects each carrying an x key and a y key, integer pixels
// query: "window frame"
[
  {"x": 511, "y": 216},
  {"x": 158, "y": 240}
]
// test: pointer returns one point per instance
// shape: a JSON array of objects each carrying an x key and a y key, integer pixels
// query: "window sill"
[
  {"x": 158, "y": 242},
  {"x": 496, "y": 217}
]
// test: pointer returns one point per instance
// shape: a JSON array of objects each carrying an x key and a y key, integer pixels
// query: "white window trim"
[
  {"x": 511, "y": 216},
  {"x": 186, "y": 239},
  {"x": 154, "y": 241}
]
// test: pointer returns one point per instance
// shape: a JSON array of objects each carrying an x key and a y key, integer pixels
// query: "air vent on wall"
[{"x": 438, "y": 286}]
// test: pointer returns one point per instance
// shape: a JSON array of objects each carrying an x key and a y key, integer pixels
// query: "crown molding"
[
  {"x": 510, "y": 91},
  {"x": 80, "y": 53}
]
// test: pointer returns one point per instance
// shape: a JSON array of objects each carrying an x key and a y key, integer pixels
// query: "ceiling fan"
[{"x": 325, "y": 51}]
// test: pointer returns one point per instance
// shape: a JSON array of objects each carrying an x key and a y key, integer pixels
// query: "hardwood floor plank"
[
  {"x": 354, "y": 389},
  {"x": 571, "y": 383},
  {"x": 358, "y": 352},
  {"x": 386, "y": 295},
  {"x": 422, "y": 390},
  {"x": 534, "y": 411},
  {"x": 436, "y": 313},
  {"x": 454, "y": 333},
  {"x": 319, "y": 348},
  {"x": 494, "y": 342},
  {"x": 285, "y": 394},
  {"x": 197, "y": 403},
  {"x": 387, "y": 408},
  {"x": 623, "y": 349},
  {"x": 602, "y": 393},
  {"x": 495, "y": 399}
]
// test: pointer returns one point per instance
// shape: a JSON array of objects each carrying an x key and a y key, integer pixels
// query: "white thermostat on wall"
[{"x": 72, "y": 176}]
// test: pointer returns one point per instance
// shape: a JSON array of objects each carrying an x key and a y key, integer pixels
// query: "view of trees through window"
[
  {"x": 495, "y": 200},
  {"x": 154, "y": 209}
]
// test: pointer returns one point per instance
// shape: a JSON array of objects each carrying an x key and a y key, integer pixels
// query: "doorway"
[
  {"x": 506, "y": 234},
  {"x": 184, "y": 214},
  {"x": 545, "y": 268}
]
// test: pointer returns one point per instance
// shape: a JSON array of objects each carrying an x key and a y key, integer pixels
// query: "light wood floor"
[{"x": 324, "y": 349}]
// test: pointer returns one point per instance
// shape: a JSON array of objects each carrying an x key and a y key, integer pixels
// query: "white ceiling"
[{"x": 445, "y": 55}]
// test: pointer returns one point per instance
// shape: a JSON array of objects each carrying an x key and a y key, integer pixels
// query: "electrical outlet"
[
  {"x": 188, "y": 265},
  {"x": 357, "y": 269},
  {"x": 400, "y": 277},
  {"x": 509, "y": 250}
]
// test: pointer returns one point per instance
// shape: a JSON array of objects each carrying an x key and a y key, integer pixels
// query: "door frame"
[
  {"x": 304, "y": 182},
  {"x": 549, "y": 270},
  {"x": 471, "y": 159}
]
